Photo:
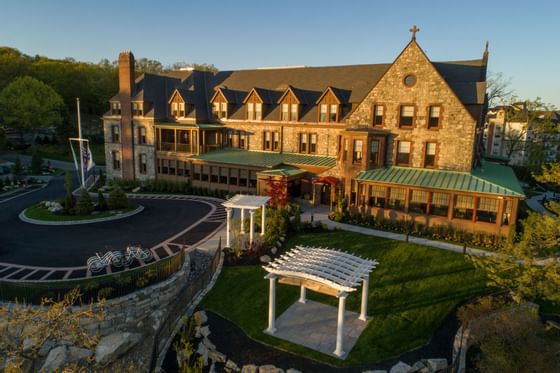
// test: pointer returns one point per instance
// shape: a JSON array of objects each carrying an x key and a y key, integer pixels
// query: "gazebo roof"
[
  {"x": 336, "y": 269},
  {"x": 243, "y": 201}
]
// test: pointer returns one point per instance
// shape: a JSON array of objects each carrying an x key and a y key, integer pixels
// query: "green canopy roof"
[
  {"x": 264, "y": 159},
  {"x": 490, "y": 178},
  {"x": 284, "y": 171}
]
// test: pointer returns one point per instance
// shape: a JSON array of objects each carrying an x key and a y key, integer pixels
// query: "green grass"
[
  {"x": 411, "y": 292},
  {"x": 62, "y": 152},
  {"x": 39, "y": 213}
]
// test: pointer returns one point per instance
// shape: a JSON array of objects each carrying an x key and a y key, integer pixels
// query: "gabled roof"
[
  {"x": 292, "y": 91},
  {"x": 325, "y": 92},
  {"x": 264, "y": 95},
  {"x": 491, "y": 178}
]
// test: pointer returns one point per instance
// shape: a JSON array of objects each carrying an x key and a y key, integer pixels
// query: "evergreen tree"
[
  {"x": 101, "y": 202},
  {"x": 84, "y": 206},
  {"x": 18, "y": 168},
  {"x": 36, "y": 161},
  {"x": 117, "y": 199}
]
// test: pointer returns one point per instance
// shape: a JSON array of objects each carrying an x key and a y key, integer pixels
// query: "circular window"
[{"x": 409, "y": 80}]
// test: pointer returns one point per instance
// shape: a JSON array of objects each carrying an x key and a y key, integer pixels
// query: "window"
[
  {"x": 258, "y": 111},
  {"x": 174, "y": 109},
  {"x": 215, "y": 174},
  {"x": 250, "y": 111},
  {"x": 357, "y": 152},
  {"x": 313, "y": 143},
  {"x": 172, "y": 164},
  {"x": 418, "y": 202},
  {"x": 220, "y": 110},
  {"x": 396, "y": 199},
  {"x": 433, "y": 116},
  {"x": 267, "y": 138},
  {"x": 252, "y": 179},
  {"x": 409, "y": 80},
  {"x": 233, "y": 175},
  {"x": 142, "y": 135},
  {"x": 137, "y": 108},
  {"x": 506, "y": 215},
  {"x": 377, "y": 195},
  {"x": 463, "y": 208},
  {"x": 439, "y": 204},
  {"x": 487, "y": 210},
  {"x": 243, "y": 176},
  {"x": 323, "y": 114},
  {"x": 182, "y": 111},
  {"x": 333, "y": 113},
  {"x": 378, "y": 115},
  {"x": 116, "y": 160},
  {"x": 374, "y": 152},
  {"x": 243, "y": 141},
  {"x": 303, "y": 143},
  {"x": 224, "y": 175},
  {"x": 406, "y": 117},
  {"x": 275, "y": 140},
  {"x": 205, "y": 173},
  {"x": 115, "y": 133},
  {"x": 229, "y": 139},
  {"x": 430, "y": 154},
  {"x": 403, "y": 153},
  {"x": 143, "y": 164},
  {"x": 294, "y": 112},
  {"x": 116, "y": 108},
  {"x": 345, "y": 150},
  {"x": 285, "y": 110},
  {"x": 196, "y": 172}
]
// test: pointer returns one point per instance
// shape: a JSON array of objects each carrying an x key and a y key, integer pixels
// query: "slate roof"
[
  {"x": 490, "y": 178},
  {"x": 264, "y": 159}
]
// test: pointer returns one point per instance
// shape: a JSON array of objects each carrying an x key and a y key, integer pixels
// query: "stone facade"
[{"x": 457, "y": 129}]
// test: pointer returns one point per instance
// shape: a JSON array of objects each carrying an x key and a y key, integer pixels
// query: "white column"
[
  {"x": 339, "y": 351},
  {"x": 251, "y": 226},
  {"x": 263, "y": 222},
  {"x": 228, "y": 227},
  {"x": 271, "y": 304},
  {"x": 242, "y": 221},
  {"x": 302, "y": 298},
  {"x": 363, "y": 311}
]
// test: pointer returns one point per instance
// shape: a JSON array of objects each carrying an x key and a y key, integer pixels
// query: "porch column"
[
  {"x": 242, "y": 221},
  {"x": 365, "y": 288},
  {"x": 302, "y": 291},
  {"x": 251, "y": 226},
  {"x": 228, "y": 227},
  {"x": 339, "y": 350},
  {"x": 263, "y": 222},
  {"x": 271, "y": 304}
]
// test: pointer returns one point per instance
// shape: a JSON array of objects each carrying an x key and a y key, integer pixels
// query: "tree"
[
  {"x": 498, "y": 89},
  {"x": 36, "y": 161},
  {"x": 277, "y": 191},
  {"x": 84, "y": 205},
  {"x": 27, "y": 104},
  {"x": 145, "y": 65},
  {"x": 69, "y": 186},
  {"x": 101, "y": 202},
  {"x": 117, "y": 199},
  {"x": 18, "y": 167}
]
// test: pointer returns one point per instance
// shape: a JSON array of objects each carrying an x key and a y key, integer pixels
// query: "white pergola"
[
  {"x": 323, "y": 270},
  {"x": 245, "y": 202}
]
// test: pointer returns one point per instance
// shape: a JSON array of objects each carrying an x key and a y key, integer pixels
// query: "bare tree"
[{"x": 498, "y": 89}]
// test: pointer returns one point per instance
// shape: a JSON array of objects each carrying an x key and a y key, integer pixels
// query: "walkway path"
[{"x": 536, "y": 206}]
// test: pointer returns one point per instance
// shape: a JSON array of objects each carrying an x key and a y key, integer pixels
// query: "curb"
[{"x": 25, "y": 219}]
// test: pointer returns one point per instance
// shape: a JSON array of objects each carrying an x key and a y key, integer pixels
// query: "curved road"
[{"x": 65, "y": 246}]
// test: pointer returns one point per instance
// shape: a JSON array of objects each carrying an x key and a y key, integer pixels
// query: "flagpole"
[{"x": 81, "y": 144}]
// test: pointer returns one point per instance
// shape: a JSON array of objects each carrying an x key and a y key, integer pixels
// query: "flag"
[
  {"x": 74, "y": 155},
  {"x": 87, "y": 157}
]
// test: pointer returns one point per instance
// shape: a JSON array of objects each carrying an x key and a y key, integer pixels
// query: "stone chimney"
[{"x": 126, "y": 90}]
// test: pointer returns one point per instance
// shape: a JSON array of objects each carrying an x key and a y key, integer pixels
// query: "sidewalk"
[
  {"x": 536, "y": 206},
  {"x": 321, "y": 213}
]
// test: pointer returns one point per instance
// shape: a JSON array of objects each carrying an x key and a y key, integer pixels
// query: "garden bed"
[
  {"x": 37, "y": 212},
  {"x": 411, "y": 292}
]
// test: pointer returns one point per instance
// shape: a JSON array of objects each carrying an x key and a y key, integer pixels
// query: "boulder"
[
  {"x": 251, "y": 368},
  {"x": 269, "y": 368},
  {"x": 197, "y": 332},
  {"x": 202, "y": 350},
  {"x": 212, "y": 368},
  {"x": 77, "y": 354},
  {"x": 435, "y": 364},
  {"x": 231, "y": 367},
  {"x": 273, "y": 251},
  {"x": 209, "y": 345},
  {"x": 30, "y": 343},
  {"x": 204, "y": 331},
  {"x": 265, "y": 259},
  {"x": 418, "y": 367},
  {"x": 46, "y": 347},
  {"x": 200, "y": 318},
  {"x": 55, "y": 359},
  {"x": 400, "y": 367},
  {"x": 158, "y": 318},
  {"x": 216, "y": 356},
  {"x": 114, "y": 345},
  {"x": 292, "y": 370}
]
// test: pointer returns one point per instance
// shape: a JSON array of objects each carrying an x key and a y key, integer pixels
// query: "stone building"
[{"x": 401, "y": 139}]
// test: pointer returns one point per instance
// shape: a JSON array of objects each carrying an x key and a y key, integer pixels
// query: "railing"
[
  {"x": 184, "y": 298},
  {"x": 105, "y": 286},
  {"x": 184, "y": 148},
  {"x": 167, "y": 146}
]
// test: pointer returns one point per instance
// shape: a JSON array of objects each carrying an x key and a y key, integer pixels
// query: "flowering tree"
[{"x": 278, "y": 192}]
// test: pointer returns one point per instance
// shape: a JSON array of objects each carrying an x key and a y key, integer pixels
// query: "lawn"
[
  {"x": 40, "y": 213},
  {"x": 411, "y": 292}
]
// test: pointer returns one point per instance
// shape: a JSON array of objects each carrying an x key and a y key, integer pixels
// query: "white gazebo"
[
  {"x": 325, "y": 271},
  {"x": 245, "y": 202}
]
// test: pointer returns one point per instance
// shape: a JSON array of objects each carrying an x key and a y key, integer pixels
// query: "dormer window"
[
  {"x": 181, "y": 109},
  {"x": 328, "y": 113},
  {"x": 294, "y": 109},
  {"x": 324, "y": 111},
  {"x": 285, "y": 112},
  {"x": 254, "y": 111},
  {"x": 220, "y": 110},
  {"x": 290, "y": 106},
  {"x": 137, "y": 109},
  {"x": 116, "y": 108}
]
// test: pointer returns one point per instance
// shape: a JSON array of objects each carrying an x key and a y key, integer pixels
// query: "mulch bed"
[{"x": 237, "y": 346}]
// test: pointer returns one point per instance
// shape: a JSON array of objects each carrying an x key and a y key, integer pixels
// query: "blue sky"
[{"x": 524, "y": 36}]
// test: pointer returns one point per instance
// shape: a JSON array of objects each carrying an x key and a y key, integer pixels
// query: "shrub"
[
  {"x": 84, "y": 206},
  {"x": 105, "y": 292},
  {"x": 101, "y": 202},
  {"x": 117, "y": 199},
  {"x": 36, "y": 162}
]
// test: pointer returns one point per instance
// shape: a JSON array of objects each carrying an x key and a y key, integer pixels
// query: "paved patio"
[{"x": 313, "y": 325}]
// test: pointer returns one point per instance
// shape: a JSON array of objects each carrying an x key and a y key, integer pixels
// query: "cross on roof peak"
[{"x": 414, "y": 30}]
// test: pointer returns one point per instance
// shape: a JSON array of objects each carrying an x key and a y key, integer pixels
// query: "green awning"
[
  {"x": 264, "y": 159},
  {"x": 285, "y": 171},
  {"x": 490, "y": 178}
]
